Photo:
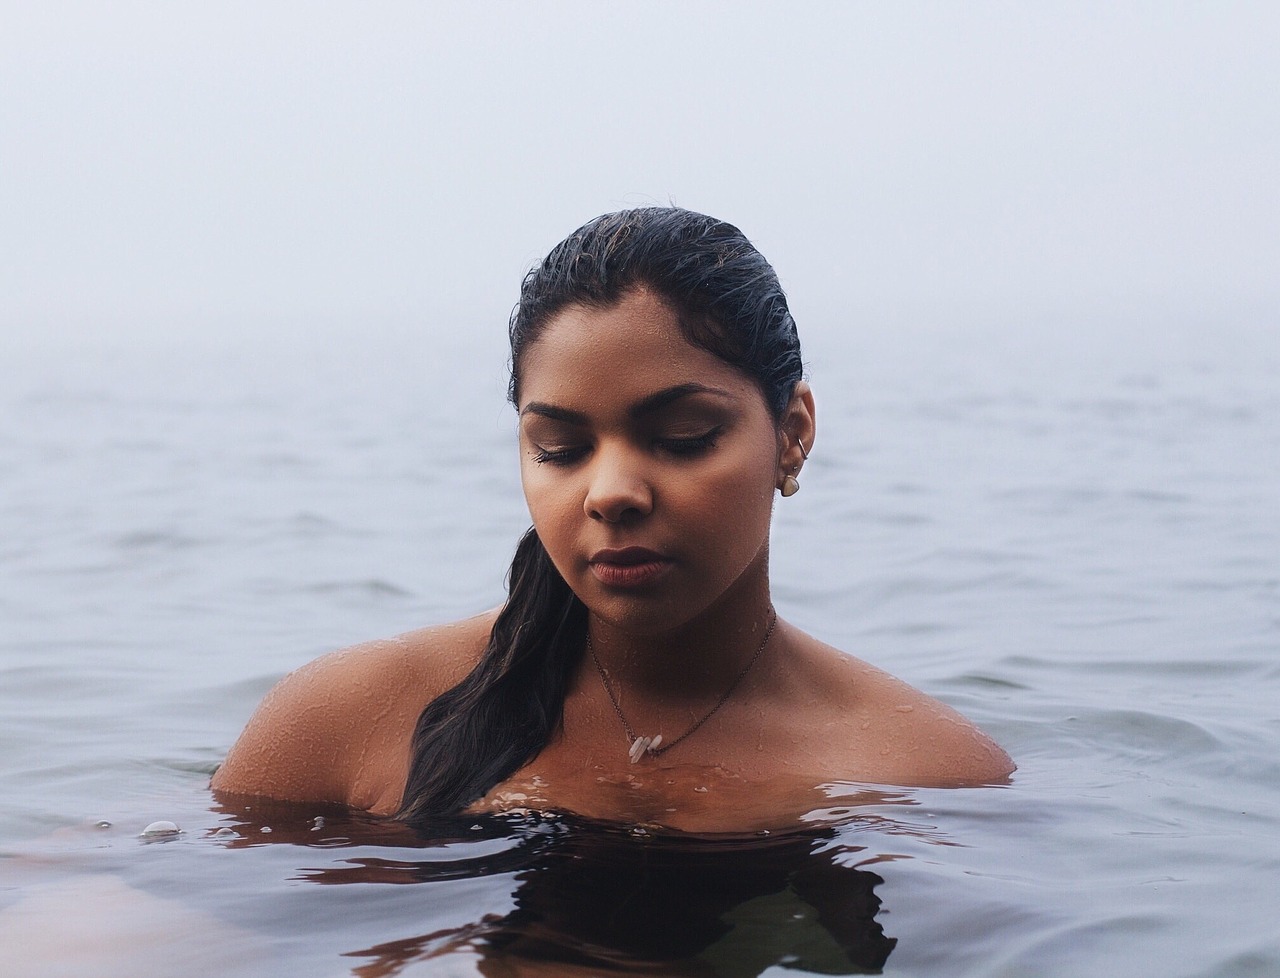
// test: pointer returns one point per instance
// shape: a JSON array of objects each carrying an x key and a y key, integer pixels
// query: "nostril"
[
  {"x": 617, "y": 510},
  {"x": 628, "y": 515},
  {"x": 615, "y": 501}
]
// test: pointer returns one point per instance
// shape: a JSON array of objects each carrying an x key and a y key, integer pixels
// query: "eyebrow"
[{"x": 648, "y": 405}]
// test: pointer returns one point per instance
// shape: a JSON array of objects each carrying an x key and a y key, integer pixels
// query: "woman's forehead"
[{"x": 625, "y": 351}]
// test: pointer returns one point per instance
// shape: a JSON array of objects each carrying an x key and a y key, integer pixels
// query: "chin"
[{"x": 639, "y": 614}]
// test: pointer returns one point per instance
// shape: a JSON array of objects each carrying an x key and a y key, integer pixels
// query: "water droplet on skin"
[
  {"x": 225, "y": 833},
  {"x": 162, "y": 829},
  {"x": 477, "y": 827},
  {"x": 317, "y": 823},
  {"x": 102, "y": 823},
  {"x": 265, "y": 829},
  {"x": 702, "y": 788}
]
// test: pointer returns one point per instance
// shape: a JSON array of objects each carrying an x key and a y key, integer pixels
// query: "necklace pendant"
[
  {"x": 653, "y": 745},
  {"x": 644, "y": 745}
]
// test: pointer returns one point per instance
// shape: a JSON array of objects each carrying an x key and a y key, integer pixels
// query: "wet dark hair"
[{"x": 727, "y": 300}]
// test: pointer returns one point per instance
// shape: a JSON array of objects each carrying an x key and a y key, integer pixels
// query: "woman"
[{"x": 638, "y": 670}]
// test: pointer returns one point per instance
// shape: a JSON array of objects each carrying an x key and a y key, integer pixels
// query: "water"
[{"x": 1069, "y": 534}]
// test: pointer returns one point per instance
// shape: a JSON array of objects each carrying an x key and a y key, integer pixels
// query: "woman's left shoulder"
[{"x": 901, "y": 734}]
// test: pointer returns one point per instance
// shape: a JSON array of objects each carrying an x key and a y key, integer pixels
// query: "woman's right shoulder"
[
  {"x": 417, "y": 666},
  {"x": 323, "y": 727},
  {"x": 432, "y": 659}
]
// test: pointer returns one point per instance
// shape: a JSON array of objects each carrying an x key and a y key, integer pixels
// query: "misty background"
[
  {"x": 211, "y": 173},
  {"x": 256, "y": 264}
]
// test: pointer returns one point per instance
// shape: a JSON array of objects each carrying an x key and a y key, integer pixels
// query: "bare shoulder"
[
  {"x": 896, "y": 734},
  {"x": 337, "y": 729}
]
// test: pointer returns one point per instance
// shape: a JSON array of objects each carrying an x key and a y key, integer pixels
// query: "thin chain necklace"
[{"x": 654, "y": 745}]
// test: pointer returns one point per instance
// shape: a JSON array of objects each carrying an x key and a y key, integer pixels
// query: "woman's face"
[{"x": 649, "y": 464}]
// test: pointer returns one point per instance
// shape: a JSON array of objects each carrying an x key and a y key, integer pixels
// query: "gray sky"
[{"x": 255, "y": 166}]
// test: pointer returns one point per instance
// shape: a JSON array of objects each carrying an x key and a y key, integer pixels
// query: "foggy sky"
[{"x": 254, "y": 166}]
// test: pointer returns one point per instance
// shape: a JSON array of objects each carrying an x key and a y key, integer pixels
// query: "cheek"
[
  {"x": 736, "y": 498},
  {"x": 750, "y": 473},
  {"x": 550, "y": 500}
]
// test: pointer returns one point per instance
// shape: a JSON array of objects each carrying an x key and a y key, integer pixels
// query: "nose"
[{"x": 619, "y": 490}]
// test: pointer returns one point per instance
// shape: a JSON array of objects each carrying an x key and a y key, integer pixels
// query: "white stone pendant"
[{"x": 644, "y": 745}]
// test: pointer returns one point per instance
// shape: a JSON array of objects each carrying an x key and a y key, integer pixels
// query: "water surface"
[{"x": 1071, "y": 535}]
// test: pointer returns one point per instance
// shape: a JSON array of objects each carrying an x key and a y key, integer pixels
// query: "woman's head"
[
  {"x": 658, "y": 375},
  {"x": 724, "y": 293}
]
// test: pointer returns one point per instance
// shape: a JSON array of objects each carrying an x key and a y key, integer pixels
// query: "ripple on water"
[
  {"x": 1139, "y": 736},
  {"x": 155, "y": 539},
  {"x": 372, "y": 587}
]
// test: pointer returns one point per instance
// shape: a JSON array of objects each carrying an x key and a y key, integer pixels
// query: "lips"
[{"x": 629, "y": 567}]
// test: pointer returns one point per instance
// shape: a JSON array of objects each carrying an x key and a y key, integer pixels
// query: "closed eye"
[
  {"x": 559, "y": 456},
  {"x": 695, "y": 445},
  {"x": 683, "y": 447}
]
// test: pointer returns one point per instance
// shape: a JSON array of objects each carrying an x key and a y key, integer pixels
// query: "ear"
[{"x": 796, "y": 431}]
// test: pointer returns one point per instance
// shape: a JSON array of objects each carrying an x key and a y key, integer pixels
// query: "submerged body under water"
[
  {"x": 1075, "y": 543},
  {"x": 522, "y": 892}
]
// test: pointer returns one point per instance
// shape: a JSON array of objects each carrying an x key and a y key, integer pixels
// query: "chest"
[{"x": 691, "y": 794}]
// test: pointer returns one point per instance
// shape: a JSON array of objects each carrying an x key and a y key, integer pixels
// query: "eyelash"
[
  {"x": 691, "y": 446},
  {"x": 563, "y": 456},
  {"x": 680, "y": 447}
]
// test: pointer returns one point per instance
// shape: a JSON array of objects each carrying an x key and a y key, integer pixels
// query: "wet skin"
[
  {"x": 650, "y": 468},
  {"x": 633, "y": 439}
]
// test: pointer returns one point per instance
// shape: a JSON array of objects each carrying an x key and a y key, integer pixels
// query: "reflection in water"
[{"x": 592, "y": 897}]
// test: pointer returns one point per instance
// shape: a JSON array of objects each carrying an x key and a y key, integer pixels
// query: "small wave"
[
  {"x": 370, "y": 587},
  {"x": 277, "y": 461},
  {"x": 156, "y": 540},
  {"x": 1158, "y": 496},
  {"x": 307, "y": 524},
  {"x": 1198, "y": 669},
  {"x": 987, "y": 680},
  {"x": 1142, "y": 735}
]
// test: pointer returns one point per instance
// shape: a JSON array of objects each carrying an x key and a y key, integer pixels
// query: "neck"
[{"x": 691, "y": 662}]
